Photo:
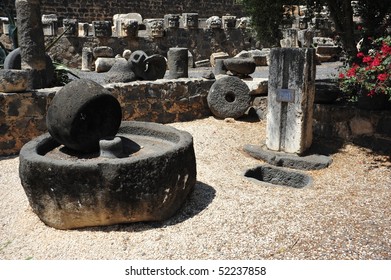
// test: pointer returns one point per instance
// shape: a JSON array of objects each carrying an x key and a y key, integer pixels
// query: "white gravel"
[{"x": 345, "y": 214}]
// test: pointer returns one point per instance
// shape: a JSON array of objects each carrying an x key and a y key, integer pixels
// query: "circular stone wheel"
[
  {"x": 229, "y": 97},
  {"x": 82, "y": 113}
]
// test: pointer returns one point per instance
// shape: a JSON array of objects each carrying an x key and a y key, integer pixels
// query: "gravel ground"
[{"x": 345, "y": 214}]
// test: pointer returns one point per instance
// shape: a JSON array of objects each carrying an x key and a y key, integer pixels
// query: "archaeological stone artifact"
[
  {"x": 229, "y": 97},
  {"x": 91, "y": 169}
]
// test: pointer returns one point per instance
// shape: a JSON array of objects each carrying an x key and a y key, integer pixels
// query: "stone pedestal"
[
  {"x": 291, "y": 92},
  {"x": 86, "y": 59}
]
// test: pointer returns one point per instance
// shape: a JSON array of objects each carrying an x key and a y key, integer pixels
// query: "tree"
[{"x": 267, "y": 16}]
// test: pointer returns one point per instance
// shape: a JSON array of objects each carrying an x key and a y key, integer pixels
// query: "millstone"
[
  {"x": 82, "y": 113},
  {"x": 229, "y": 97}
]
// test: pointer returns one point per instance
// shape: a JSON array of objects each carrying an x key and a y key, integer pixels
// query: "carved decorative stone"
[
  {"x": 71, "y": 27},
  {"x": 190, "y": 20},
  {"x": 172, "y": 21},
  {"x": 85, "y": 29},
  {"x": 243, "y": 22},
  {"x": 126, "y": 28},
  {"x": 214, "y": 22},
  {"x": 49, "y": 24},
  {"x": 102, "y": 28},
  {"x": 157, "y": 28},
  {"x": 229, "y": 22}
]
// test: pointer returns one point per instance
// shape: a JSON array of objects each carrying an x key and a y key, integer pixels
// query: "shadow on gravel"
[
  {"x": 8, "y": 157},
  {"x": 198, "y": 200}
]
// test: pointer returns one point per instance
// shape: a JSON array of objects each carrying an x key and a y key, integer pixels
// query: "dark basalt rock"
[
  {"x": 279, "y": 176},
  {"x": 82, "y": 113},
  {"x": 240, "y": 66},
  {"x": 148, "y": 68},
  {"x": 149, "y": 182},
  {"x": 229, "y": 97},
  {"x": 14, "y": 61},
  {"x": 120, "y": 72}
]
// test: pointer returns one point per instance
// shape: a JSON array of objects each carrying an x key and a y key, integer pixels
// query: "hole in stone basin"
[
  {"x": 279, "y": 176},
  {"x": 230, "y": 97}
]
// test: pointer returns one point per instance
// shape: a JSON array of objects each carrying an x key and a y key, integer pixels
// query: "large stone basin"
[{"x": 149, "y": 182}]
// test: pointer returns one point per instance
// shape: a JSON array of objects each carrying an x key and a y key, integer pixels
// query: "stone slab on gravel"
[{"x": 309, "y": 162}]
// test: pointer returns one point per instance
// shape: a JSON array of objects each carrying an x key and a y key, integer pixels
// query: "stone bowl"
[
  {"x": 149, "y": 182},
  {"x": 12, "y": 80}
]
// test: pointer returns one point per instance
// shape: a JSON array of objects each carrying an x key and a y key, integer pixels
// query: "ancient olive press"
[{"x": 91, "y": 169}]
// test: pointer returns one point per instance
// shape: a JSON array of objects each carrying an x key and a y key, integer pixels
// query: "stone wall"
[
  {"x": 22, "y": 115},
  {"x": 89, "y": 10},
  {"x": 367, "y": 128}
]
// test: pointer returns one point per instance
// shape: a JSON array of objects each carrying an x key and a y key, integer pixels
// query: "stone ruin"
[
  {"x": 91, "y": 169},
  {"x": 289, "y": 135}
]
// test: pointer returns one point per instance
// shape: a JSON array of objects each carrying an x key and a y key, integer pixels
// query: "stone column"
[
  {"x": 291, "y": 91},
  {"x": 86, "y": 59},
  {"x": 177, "y": 60},
  {"x": 31, "y": 41}
]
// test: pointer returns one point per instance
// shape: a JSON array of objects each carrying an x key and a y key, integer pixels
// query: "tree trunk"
[{"x": 341, "y": 12}]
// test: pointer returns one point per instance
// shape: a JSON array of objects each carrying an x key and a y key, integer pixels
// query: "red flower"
[
  {"x": 352, "y": 71},
  {"x": 341, "y": 75},
  {"x": 375, "y": 62},
  {"x": 367, "y": 59},
  {"x": 386, "y": 49},
  {"x": 360, "y": 55},
  {"x": 382, "y": 77}
]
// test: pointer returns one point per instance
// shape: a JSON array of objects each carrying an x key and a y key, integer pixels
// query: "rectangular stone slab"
[{"x": 291, "y": 92}]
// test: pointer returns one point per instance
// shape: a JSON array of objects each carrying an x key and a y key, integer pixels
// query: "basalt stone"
[
  {"x": 177, "y": 59},
  {"x": 229, "y": 97},
  {"x": 13, "y": 80},
  {"x": 240, "y": 66},
  {"x": 103, "y": 51},
  {"x": 14, "y": 61},
  {"x": 82, "y": 113},
  {"x": 308, "y": 162},
  {"x": 149, "y": 182},
  {"x": 279, "y": 176},
  {"x": 120, "y": 72},
  {"x": 104, "y": 64},
  {"x": 148, "y": 68}
]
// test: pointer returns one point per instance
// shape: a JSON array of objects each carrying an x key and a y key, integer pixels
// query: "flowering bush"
[{"x": 371, "y": 72}]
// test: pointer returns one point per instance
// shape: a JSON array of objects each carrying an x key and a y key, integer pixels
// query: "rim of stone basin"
[
  {"x": 37, "y": 149},
  {"x": 271, "y": 175}
]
